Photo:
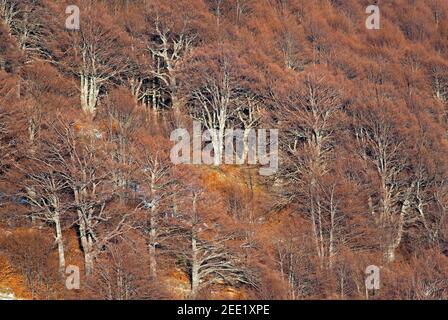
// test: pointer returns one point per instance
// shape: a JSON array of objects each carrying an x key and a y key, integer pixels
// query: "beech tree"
[
  {"x": 84, "y": 169},
  {"x": 439, "y": 80},
  {"x": 96, "y": 54},
  {"x": 218, "y": 97},
  {"x": 6, "y": 144},
  {"x": 170, "y": 31},
  {"x": 46, "y": 193},
  {"x": 27, "y": 20},
  {"x": 207, "y": 252},
  {"x": 155, "y": 190},
  {"x": 382, "y": 146},
  {"x": 169, "y": 53},
  {"x": 120, "y": 276},
  {"x": 308, "y": 115},
  {"x": 123, "y": 121},
  {"x": 9, "y": 54}
]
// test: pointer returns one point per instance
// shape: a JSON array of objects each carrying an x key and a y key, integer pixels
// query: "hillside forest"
[{"x": 93, "y": 207}]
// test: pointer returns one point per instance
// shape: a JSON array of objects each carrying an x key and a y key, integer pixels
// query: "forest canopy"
[{"x": 87, "y": 181}]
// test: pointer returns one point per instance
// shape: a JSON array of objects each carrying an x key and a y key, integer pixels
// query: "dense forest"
[{"x": 87, "y": 182}]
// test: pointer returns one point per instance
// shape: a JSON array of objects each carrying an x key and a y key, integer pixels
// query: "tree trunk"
[
  {"x": 60, "y": 244},
  {"x": 331, "y": 247},
  {"x": 153, "y": 229},
  {"x": 89, "y": 93},
  {"x": 392, "y": 247},
  {"x": 85, "y": 245},
  {"x": 217, "y": 137},
  {"x": 152, "y": 244},
  {"x": 194, "y": 267},
  {"x": 89, "y": 256},
  {"x": 195, "y": 264}
]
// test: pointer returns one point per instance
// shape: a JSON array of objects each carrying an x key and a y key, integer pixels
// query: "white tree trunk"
[
  {"x": 195, "y": 263},
  {"x": 217, "y": 137},
  {"x": 194, "y": 267},
  {"x": 152, "y": 244},
  {"x": 60, "y": 244},
  {"x": 86, "y": 246},
  {"x": 89, "y": 93}
]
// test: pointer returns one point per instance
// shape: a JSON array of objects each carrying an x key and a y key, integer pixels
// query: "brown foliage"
[{"x": 85, "y": 169}]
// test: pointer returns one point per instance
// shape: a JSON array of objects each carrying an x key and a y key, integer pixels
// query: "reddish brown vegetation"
[{"x": 86, "y": 179}]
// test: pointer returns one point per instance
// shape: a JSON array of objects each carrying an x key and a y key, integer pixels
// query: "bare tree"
[
  {"x": 382, "y": 147},
  {"x": 217, "y": 96},
  {"x": 96, "y": 56},
  {"x": 439, "y": 80},
  {"x": 123, "y": 121},
  {"x": 9, "y": 11},
  {"x": 6, "y": 143},
  {"x": 154, "y": 191},
  {"x": 208, "y": 257},
  {"x": 120, "y": 276},
  {"x": 84, "y": 167},
  {"x": 45, "y": 191},
  {"x": 28, "y": 21},
  {"x": 169, "y": 52},
  {"x": 309, "y": 117}
]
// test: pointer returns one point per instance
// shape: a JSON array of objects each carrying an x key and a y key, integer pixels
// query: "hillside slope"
[{"x": 88, "y": 179}]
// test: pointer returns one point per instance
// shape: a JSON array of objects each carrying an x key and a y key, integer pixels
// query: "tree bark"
[
  {"x": 152, "y": 233},
  {"x": 89, "y": 93},
  {"x": 60, "y": 244},
  {"x": 195, "y": 264}
]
